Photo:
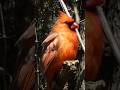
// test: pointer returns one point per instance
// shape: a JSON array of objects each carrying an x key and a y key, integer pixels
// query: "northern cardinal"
[
  {"x": 93, "y": 41},
  {"x": 60, "y": 45},
  {"x": 93, "y": 3},
  {"x": 93, "y": 45}
]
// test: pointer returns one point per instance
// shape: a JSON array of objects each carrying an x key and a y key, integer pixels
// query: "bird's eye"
[{"x": 69, "y": 23}]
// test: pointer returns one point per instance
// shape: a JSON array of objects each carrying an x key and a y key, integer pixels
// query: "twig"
[
  {"x": 37, "y": 59},
  {"x": 4, "y": 37},
  {"x": 81, "y": 67},
  {"x": 78, "y": 21},
  {"x": 78, "y": 34},
  {"x": 3, "y": 24},
  {"x": 109, "y": 34},
  {"x": 64, "y": 7}
]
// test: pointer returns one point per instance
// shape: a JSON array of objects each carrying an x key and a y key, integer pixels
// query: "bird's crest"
[{"x": 64, "y": 17}]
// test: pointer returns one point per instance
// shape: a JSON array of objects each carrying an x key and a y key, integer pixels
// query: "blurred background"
[{"x": 17, "y": 15}]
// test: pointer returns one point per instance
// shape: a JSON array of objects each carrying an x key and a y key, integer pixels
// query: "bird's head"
[{"x": 67, "y": 21}]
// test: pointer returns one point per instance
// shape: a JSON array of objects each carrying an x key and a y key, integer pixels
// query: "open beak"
[{"x": 74, "y": 25}]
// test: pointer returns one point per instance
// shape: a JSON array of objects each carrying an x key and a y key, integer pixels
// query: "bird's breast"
[{"x": 68, "y": 45}]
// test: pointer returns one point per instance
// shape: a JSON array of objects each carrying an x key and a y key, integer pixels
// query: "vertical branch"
[
  {"x": 77, "y": 19},
  {"x": 4, "y": 37},
  {"x": 37, "y": 59},
  {"x": 81, "y": 67},
  {"x": 109, "y": 34},
  {"x": 3, "y": 24}
]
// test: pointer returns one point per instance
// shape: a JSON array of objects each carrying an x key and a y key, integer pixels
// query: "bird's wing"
[
  {"x": 50, "y": 47},
  {"x": 29, "y": 33}
]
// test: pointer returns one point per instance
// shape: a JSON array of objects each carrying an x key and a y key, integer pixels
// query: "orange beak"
[{"x": 74, "y": 25}]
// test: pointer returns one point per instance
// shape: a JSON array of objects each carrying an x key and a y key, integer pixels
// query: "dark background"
[{"x": 18, "y": 15}]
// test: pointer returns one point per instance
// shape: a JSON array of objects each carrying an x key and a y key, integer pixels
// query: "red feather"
[
  {"x": 94, "y": 46},
  {"x": 60, "y": 45}
]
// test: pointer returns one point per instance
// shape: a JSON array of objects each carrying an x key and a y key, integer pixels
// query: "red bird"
[
  {"x": 60, "y": 45},
  {"x": 93, "y": 46},
  {"x": 93, "y": 40},
  {"x": 93, "y": 3}
]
